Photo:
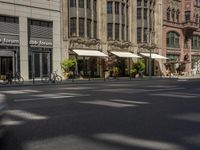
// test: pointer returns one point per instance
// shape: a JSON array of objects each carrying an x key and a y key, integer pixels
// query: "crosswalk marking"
[
  {"x": 20, "y": 91},
  {"x": 129, "y": 101},
  {"x": 108, "y": 103},
  {"x": 177, "y": 95},
  {"x": 26, "y": 115}
]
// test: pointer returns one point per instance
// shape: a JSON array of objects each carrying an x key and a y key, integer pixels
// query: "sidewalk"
[{"x": 100, "y": 80}]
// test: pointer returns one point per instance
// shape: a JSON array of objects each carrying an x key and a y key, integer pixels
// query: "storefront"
[
  {"x": 123, "y": 62},
  {"x": 156, "y": 69},
  {"x": 89, "y": 62},
  {"x": 9, "y": 45},
  {"x": 40, "y": 48}
]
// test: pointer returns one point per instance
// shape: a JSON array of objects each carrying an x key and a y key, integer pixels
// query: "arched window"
[
  {"x": 196, "y": 42},
  {"x": 177, "y": 15},
  {"x": 173, "y": 39},
  {"x": 173, "y": 15},
  {"x": 168, "y": 13}
]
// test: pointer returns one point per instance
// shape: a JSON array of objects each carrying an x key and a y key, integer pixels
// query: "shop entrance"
[
  {"x": 41, "y": 64},
  {"x": 6, "y": 65}
]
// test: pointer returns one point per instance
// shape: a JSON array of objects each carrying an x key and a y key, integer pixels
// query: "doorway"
[
  {"x": 6, "y": 65},
  {"x": 41, "y": 64}
]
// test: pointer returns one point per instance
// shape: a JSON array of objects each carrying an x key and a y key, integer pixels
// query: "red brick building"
[{"x": 181, "y": 35}]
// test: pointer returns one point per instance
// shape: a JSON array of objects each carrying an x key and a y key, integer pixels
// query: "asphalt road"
[{"x": 121, "y": 115}]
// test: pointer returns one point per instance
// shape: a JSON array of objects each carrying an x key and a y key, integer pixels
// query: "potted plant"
[
  {"x": 133, "y": 72},
  {"x": 138, "y": 68},
  {"x": 68, "y": 66},
  {"x": 115, "y": 72}
]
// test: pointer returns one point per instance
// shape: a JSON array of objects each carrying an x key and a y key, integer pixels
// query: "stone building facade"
[
  {"x": 107, "y": 26},
  {"x": 181, "y": 35},
  {"x": 30, "y": 40}
]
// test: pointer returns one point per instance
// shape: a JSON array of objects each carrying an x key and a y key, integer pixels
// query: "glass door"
[
  {"x": 41, "y": 64},
  {"x": 6, "y": 64}
]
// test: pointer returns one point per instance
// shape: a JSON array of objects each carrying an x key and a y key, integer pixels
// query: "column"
[
  {"x": 56, "y": 54},
  {"x": 23, "y": 36}
]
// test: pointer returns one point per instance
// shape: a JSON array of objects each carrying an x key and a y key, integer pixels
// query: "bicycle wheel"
[
  {"x": 4, "y": 82},
  {"x": 19, "y": 80},
  {"x": 58, "y": 79},
  {"x": 45, "y": 79}
]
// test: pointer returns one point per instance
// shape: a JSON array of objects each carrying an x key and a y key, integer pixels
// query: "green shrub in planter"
[
  {"x": 138, "y": 68},
  {"x": 68, "y": 65}
]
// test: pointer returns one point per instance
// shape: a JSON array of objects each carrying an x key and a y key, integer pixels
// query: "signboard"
[
  {"x": 41, "y": 43},
  {"x": 10, "y": 41}
]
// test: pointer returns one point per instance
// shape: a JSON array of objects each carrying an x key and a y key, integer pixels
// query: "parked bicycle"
[
  {"x": 11, "y": 78},
  {"x": 52, "y": 77}
]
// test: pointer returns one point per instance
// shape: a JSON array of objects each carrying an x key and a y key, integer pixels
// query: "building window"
[
  {"x": 88, "y": 4},
  {"x": 81, "y": 27},
  {"x": 116, "y": 31},
  {"x": 172, "y": 40},
  {"x": 139, "y": 2},
  {"x": 145, "y": 19},
  {"x": 110, "y": 31},
  {"x": 89, "y": 28},
  {"x": 145, "y": 3},
  {"x": 123, "y": 6},
  {"x": 73, "y": 26},
  {"x": 72, "y": 3},
  {"x": 109, "y": 7},
  {"x": 123, "y": 32},
  {"x": 187, "y": 16},
  {"x": 168, "y": 14},
  {"x": 9, "y": 19},
  {"x": 139, "y": 35},
  {"x": 139, "y": 13},
  {"x": 196, "y": 42},
  {"x": 116, "y": 7},
  {"x": 95, "y": 6},
  {"x": 177, "y": 16},
  {"x": 145, "y": 35},
  {"x": 173, "y": 15},
  {"x": 145, "y": 13},
  {"x": 95, "y": 29},
  {"x": 81, "y": 3}
]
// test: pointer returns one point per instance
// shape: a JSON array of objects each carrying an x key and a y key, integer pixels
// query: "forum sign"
[
  {"x": 40, "y": 43},
  {"x": 9, "y": 41}
]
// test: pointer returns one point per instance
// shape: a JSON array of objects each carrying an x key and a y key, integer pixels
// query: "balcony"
[{"x": 190, "y": 26}]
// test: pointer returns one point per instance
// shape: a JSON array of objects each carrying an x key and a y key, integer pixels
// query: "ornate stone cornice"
[
  {"x": 119, "y": 45},
  {"x": 84, "y": 43}
]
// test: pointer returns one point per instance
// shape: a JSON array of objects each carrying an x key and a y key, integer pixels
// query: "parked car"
[{"x": 2, "y": 113}]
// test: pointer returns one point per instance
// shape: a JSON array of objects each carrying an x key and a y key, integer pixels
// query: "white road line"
[
  {"x": 9, "y": 122},
  {"x": 26, "y": 115},
  {"x": 177, "y": 95},
  {"x": 20, "y": 91},
  {"x": 109, "y": 104},
  {"x": 41, "y": 98},
  {"x": 129, "y": 101}
]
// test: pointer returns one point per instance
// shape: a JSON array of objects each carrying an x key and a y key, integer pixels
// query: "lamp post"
[
  {"x": 149, "y": 46},
  {"x": 150, "y": 75}
]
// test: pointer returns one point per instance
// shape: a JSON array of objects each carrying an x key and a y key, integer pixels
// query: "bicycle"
[
  {"x": 9, "y": 78},
  {"x": 52, "y": 77},
  {"x": 17, "y": 78}
]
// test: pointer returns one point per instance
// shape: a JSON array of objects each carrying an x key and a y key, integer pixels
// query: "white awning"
[
  {"x": 153, "y": 56},
  {"x": 126, "y": 54},
  {"x": 94, "y": 53}
]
